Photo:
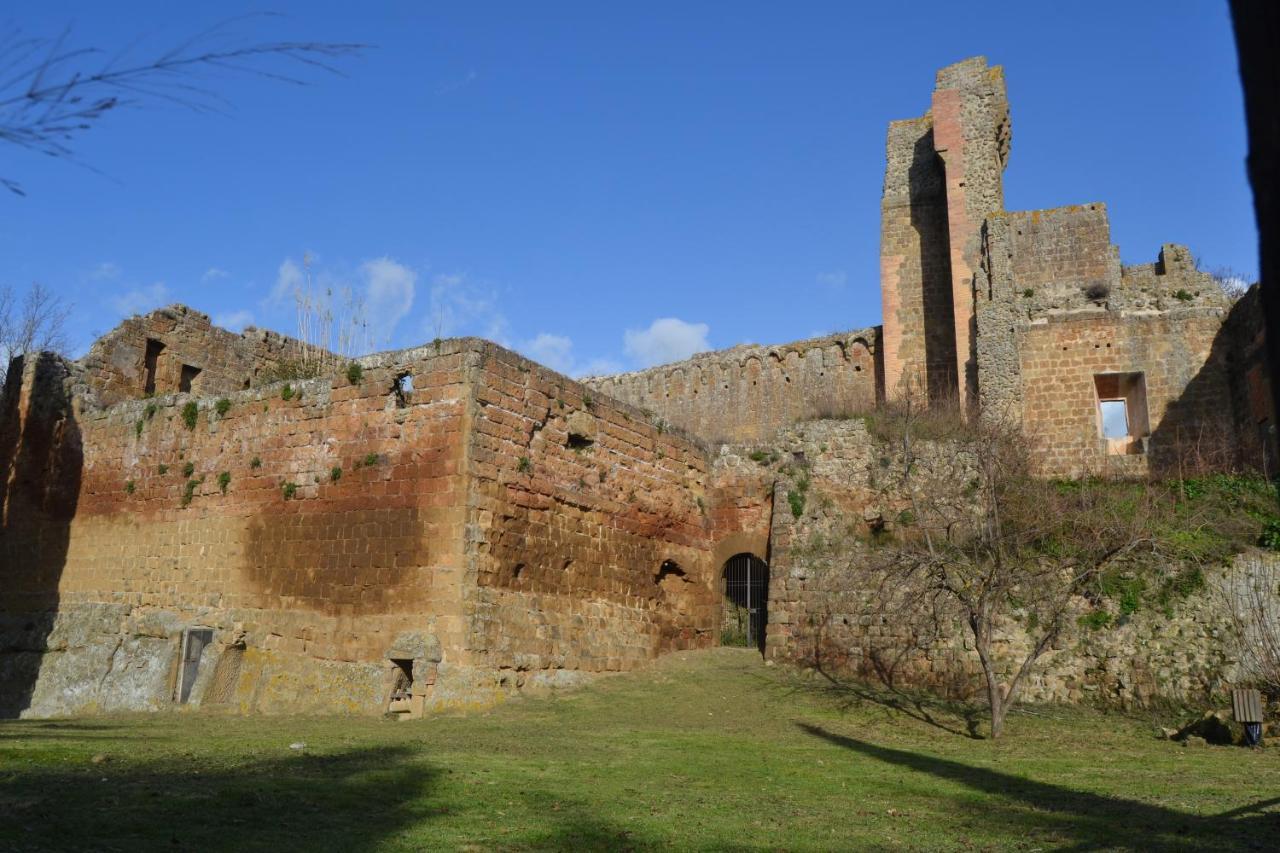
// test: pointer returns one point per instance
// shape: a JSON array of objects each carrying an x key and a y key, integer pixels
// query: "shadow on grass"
[
  {"x": 951, "y": 716},
  {"x": 1092, "y": 821},
  {"x": 347, "y": 801},
  {"x": 352, "y": 801}
]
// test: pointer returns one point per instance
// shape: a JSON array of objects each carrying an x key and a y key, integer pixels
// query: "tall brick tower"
[{"x": 943, "y": 177}]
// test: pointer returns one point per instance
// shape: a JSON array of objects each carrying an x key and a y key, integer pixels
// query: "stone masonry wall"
[
  {"x": 915, "y": 266},
  {"x": 307, "y": 586},
  {"x": 748, "y": 392},
  {"x": 115, "y": 368},
  {"x": 589, "y": 528},
  {"x": 818, "y": 616}
]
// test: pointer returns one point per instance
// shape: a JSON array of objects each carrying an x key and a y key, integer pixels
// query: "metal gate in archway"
[{"x": 746, "y": 600}]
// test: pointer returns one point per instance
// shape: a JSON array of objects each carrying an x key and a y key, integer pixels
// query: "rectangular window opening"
[
  {"x": 150, "y": 361},
  {"x": 1122, "y": 412},
  {"x": 188, "y": 376},
  {"x": 401, "y": 687},
  {"x": 194, "y": 641}
]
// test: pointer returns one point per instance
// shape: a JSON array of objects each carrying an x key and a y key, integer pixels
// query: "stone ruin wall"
[
  {"x": 408, "y": 553},
  {"x": 1057, "y": 309},
  {"x": 817, "y": 616},
  {"x": 115, "y": 367},
  {"x": 748, "y": 393},
  {"x": 305, "y": 594},
  {"x": 587, "y": 526}
]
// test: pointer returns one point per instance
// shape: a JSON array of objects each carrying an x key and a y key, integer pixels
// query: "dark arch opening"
[{"x": 746, "y": 602}]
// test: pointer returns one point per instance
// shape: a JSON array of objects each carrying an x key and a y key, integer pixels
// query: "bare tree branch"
[{"x": 50, "y": 95}]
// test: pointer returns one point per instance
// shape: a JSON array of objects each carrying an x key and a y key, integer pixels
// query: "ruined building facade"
[{"x": 181, "y": 524}]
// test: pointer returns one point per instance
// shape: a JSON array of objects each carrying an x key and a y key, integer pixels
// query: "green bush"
[
  {"x": 162, "y": 469},
  {"x": 796, "y": 500},
  {"x": 255, "y": 463},
  {"x": 128, "y": 487},
  {"x": 137, "y": 428},
  {"x": 150, "y": 411},
  {"x": 286, "y": 393},
  {"x": 1095, "y": 620},
  {"x": 370, "y": 459},
  {"x": 1183, "y": 295},
  {"x": 189, "y": 414},
  {"x": 189, "y": 492},
  {"x": 523, "y": 465},
  {"x": 222, "y": 407},
  {"x": 224, "y": 480},
  {"x": 289, "y": 490},
  {"x": 188, "y": 469},
  {"x": 335, "y": 474},
  {"x": 355, "y": 373}
]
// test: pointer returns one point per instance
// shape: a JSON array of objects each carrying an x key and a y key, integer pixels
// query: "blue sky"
[{"x": 605, "y": 185}]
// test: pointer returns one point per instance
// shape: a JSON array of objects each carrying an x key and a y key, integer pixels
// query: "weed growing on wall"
[
  {"x": 128, "y": 487},
  {"x": 286, "y": 393},
  {"x": 523, "y": 465},
  {"x": 289, "y": 490},
  {"x": 224, "y": 480},
  {"x": 335, "y": 474},
  {"x": 255, "y": 463},
  {"x": 188, "y": 469},
  {"x": 162, "y": 469},
  {"x": 222, "y": 407},
  {"x": 355, "y": 373},
  {"x": 190, "y": 412},
  {"x": 189, "y": 492}
]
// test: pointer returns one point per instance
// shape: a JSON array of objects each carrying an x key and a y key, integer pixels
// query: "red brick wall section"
[
  {"x": 577, "y": 501},
  {"x": 306, "y": 559}
]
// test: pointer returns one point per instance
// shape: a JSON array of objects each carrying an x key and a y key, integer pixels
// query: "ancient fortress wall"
[
  {"x": 455, "y": 507},
  {"x": 591, "y": 547},
  {"x": 309, "y": 533},
  {"x": 747, "y": 393},
  {"x": 824, "y": 613},
  {"x": 147, "y": 355}
]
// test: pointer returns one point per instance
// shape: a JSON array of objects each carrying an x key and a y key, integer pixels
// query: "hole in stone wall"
[
  {"x": 401, "y": 389},
  {"x": 578, "y": 441},
  {"x": 189, "y": 374},
  {"x": 194, "y": 641},
  {"x": 1122, "y": 411},
  {"x": 150, "y": 360},
  {"x": 516, "y": 570},
  {"x": 669, "y": 570},
  {"x": 401, "y": 686}
]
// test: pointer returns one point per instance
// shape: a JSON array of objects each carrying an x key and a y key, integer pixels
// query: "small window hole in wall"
[
  {"x": 578, "y": 441},
  {"x": 1122, "y": 412},
  {"x": 194, "y": 641},
  {"x": 188, "y": 376},
  {"x": 670, "y": 578},
  {"x": 150, "y": 361},
  {"x": 401, "y": 389},
  {"x": 401, "y": 701}
]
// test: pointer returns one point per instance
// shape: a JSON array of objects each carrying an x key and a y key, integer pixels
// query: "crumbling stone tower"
[{"x": 943, "y": 177}]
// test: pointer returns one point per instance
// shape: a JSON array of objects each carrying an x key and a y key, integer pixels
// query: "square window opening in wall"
[
  {"x": 194, "y": 641},
  {"x": 1122, "y": 412},
  {"x": 188, "y": 376}
]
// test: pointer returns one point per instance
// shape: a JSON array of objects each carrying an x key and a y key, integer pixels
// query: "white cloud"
[
  {"x": 105, "y": 271},
  {"x": 555, "y": 351},
  {"x": 389, "y": 289},
  {"x": 213, "y": 274},
  {"x": 288, "y": 279},
  {"x": 460, "y": 306},
  {"x": 234, "y": 320},
  {"x": 140, "y": 299},
  {"x": 667, "y": 339},
  {"x": 834, "y": 280}
]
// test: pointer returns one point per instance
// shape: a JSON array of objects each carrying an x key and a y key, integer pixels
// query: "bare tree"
[
  {"x": 34, "y": 321},
  {"x": 1252, "y": 595},
  {"x": 52, "y": 92},
  {"x": 1005, "y": 550},
  {"x": 332, "y": 323}
]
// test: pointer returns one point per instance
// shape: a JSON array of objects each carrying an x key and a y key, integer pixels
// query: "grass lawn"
[{"x": 708, "y": 750}]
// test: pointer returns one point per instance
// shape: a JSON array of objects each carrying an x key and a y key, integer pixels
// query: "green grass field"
[{"x": 705, "y": 751}]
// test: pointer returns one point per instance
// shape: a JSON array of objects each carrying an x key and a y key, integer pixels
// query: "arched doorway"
[{"x": 746, "y": 600}]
